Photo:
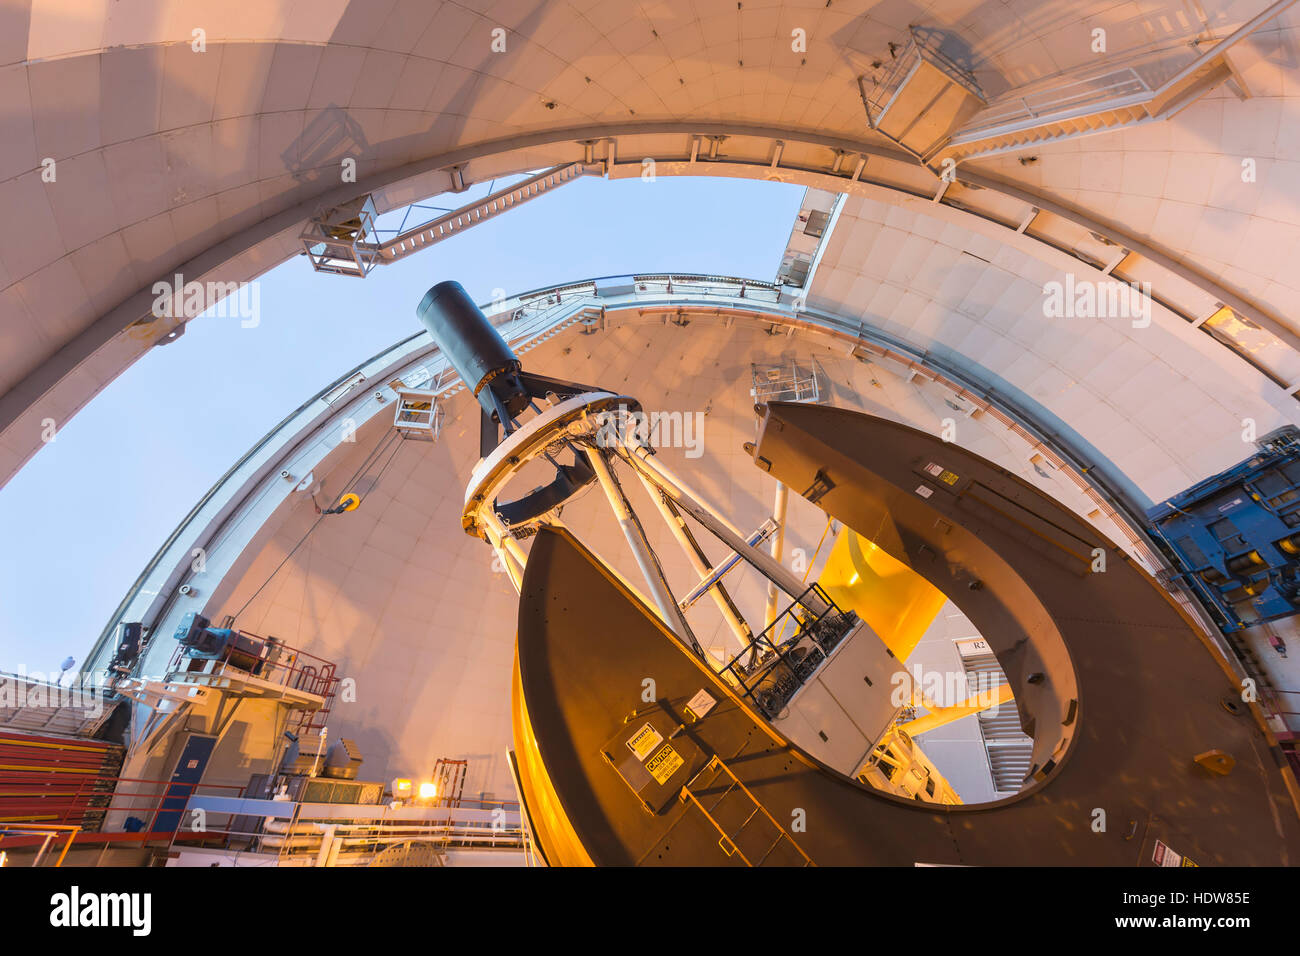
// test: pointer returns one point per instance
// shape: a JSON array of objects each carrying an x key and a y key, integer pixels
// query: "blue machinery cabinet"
[{"x": 1235, "y": 537}]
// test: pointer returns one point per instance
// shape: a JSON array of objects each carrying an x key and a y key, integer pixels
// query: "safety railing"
[
  {"x": 708, "y": 286},
  {"x": 101, "y": 808},
  {"x": 788, "y": 382},
  {"x": 772, "y": 668},
  {"x": 1140, "y": 77},
  {"x": 267, "y": 659},
  {"x": 287, "y": 829},
  {"x": 410, "y": 240},
  {"x": 46, "y": 833},
  {"x": 1108, "y": 88},
  {"x": 921, "y": 45},
  {"x": 35, "y": 705}
]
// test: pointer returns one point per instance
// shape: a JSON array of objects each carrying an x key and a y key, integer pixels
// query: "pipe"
[
  {"x": 641, "y": 459},
  {"x": 677, "y": 525},
  {"x": 505, "y": 545},
  {"x": 939, "y": 716},
  {"x": 719, "y": 571},
  {"x": 650, "y": 570},
  {"x": 778, "y": 546},
  {"x": 622, "y": 579},
  {"x": 327, "y": 843}
]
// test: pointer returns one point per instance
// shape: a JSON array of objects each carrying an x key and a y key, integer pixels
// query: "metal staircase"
[
  {"x": 1009, "y": 749},
  {"x": 933, "y": 108},
  {"x": 1082, "y": 105},
  {"x": 344, "y": 240}
]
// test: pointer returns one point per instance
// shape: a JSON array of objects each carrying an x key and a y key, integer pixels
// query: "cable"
[
  {"x": 808, "y": 570},
  {"x": 380, "y": 447},
  {"x": 272, "y": 575},
  {"x": 384, "y": 469}
]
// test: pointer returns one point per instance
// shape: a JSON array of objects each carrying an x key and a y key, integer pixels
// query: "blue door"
[{"x": 189, "y": 771}]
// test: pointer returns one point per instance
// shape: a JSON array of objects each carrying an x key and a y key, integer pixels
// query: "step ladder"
[{"x": 734, "y": 802}]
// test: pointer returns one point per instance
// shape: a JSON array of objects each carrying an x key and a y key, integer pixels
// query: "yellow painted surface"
[
  {"x": 551, "y": 826},
  {"x": 939, "y": 716},
  {"x": 895, "y": 601}
]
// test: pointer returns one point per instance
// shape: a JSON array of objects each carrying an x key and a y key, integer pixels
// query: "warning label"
[
  {"x": 644, "y": 741},
  {"x": 700, "y": 704},
  {"x": 664, "y": 764},
  {"x": 1162, "y": 855}
]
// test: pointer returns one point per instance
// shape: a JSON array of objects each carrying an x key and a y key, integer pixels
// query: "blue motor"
[
  {"x": 202, "y": 642},
  {"x": 1236, "y": 536}
]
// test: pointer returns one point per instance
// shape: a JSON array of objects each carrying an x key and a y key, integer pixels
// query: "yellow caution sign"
[
  {"x": 664, "y": 764},
  {"x": 644, "y": 741}
]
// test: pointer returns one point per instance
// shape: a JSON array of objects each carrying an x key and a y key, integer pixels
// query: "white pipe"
[
  {"x": 501, "y": 541},
  {"x": 778, "y": 546},
  {"x": 676, "y": 526},
  {"x": 670, "y": 480},
  {"x": 558, "y": 523},
  {"x": 326, "y": 843},
  {"x": 320, "y": 746},
  {"x": 663, "y": 599},
  {"x": 640, "y": 459}
]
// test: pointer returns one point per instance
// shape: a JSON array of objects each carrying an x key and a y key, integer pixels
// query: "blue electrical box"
[{"x": 1235, "y": 537}]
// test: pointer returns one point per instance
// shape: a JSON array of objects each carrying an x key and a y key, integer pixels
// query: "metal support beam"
[
  {"x": 778, "y": 546},
  {"x": 642, "y": 459},
  {"x": 713, "y": 577},
  {"x": 698, "y": 560},
  {"x": 939, "y": 716},
  {"x": 636, "y": 540}
]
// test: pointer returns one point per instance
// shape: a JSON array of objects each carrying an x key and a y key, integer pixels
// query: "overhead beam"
[{"x": 53, "y": 389}]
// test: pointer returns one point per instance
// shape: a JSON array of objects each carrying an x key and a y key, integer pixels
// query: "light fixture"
[
  {"x": 428, "y": 790},
  {"x": 401, "y": 788}
]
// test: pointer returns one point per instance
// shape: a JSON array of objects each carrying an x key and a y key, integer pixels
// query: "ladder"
[{"x": 737, "y": 798}]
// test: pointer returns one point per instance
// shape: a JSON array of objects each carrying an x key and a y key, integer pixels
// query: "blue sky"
[{"x": 82, "y": 519}]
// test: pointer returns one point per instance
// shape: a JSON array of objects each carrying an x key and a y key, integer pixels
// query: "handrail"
[
  {"x": 50, "y": 830},
  {"x": 770, "y": 659},
  {"x": 61, "y": 801},
  {"x": 920, "y": 46},
  {"x": 1014, "y": 106},
  {"x": 489, "y": 207}
]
